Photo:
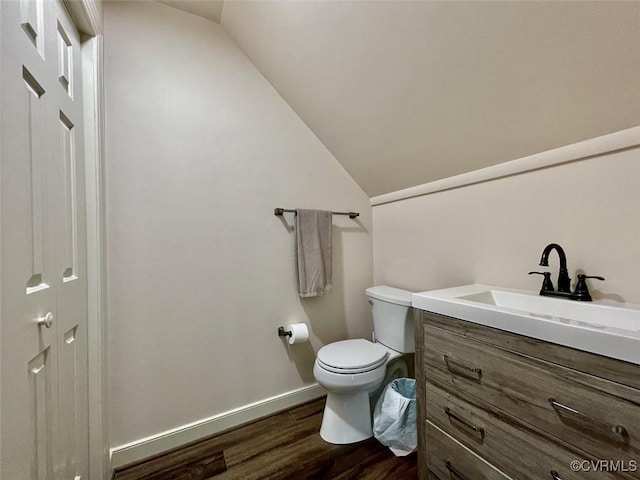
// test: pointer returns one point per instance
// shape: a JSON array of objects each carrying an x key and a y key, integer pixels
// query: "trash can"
[{"x": 395, "y": 417}]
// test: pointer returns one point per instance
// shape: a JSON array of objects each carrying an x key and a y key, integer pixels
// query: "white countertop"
[{"x": 603, "y": 327}]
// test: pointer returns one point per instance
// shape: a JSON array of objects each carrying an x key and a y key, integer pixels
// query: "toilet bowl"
[
  {"x": 355, "y": 371},
  {"x": 351, "y": 383}
]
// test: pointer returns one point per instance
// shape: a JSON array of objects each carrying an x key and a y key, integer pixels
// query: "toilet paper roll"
[{"x": 299, "y": 333}]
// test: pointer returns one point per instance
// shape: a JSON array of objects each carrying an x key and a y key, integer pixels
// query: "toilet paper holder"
[{"x": 283, "y": 333}]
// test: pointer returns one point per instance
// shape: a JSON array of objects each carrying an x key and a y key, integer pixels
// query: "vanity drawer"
[
  {"x": 449, "y": 459},
  {"x": 577, "y": 408},
  {"x": 503, "y": 441}
]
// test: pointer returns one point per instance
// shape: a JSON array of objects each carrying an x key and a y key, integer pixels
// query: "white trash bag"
[{"x": 395, "y": 417}]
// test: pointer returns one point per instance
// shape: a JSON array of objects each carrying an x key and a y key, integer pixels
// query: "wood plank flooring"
[{"x": 285, "y": 446}]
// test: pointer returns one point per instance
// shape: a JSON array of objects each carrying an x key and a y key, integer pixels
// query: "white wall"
[
  {"x": 200, "y": 149},
  {"x": 494, "y": 232}
]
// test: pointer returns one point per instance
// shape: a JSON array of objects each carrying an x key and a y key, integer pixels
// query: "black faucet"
[
  {"x": 581, "y": 292},
  {"x": 564, "y": 282}
]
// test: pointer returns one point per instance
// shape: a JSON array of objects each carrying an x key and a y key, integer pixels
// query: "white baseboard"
[
  {"x": 629, "y": 138},
  {"x": 155, "y": 444}
]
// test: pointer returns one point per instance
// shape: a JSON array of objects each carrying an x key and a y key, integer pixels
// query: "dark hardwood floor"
[{"x": 285, "y": 446}]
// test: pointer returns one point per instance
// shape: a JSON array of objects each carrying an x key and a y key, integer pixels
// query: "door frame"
[{"x": 87, "y": 18}]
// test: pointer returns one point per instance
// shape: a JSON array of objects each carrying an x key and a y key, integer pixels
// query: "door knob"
[{"x": 47, "y": 320}]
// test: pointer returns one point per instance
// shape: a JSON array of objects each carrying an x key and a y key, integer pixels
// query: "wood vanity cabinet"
[{"x": 497, "y": 405}]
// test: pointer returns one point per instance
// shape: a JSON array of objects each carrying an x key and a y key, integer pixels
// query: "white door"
[{"x": 43, "y": 389}]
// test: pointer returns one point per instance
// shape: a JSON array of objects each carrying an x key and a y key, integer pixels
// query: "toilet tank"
[{"x": 392, "y": 317}]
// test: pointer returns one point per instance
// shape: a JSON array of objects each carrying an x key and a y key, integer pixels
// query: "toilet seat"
[{"x": 350, "y": 357}]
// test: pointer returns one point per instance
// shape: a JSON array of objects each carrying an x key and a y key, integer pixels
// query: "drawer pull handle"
[
  {"x": 455, "y": 366},
  {"x": 454, "y": 472},
  {"x": 594, "y": 422},
  {"x": 466, "y": 423},
  {"x": 555, "y": 475}
]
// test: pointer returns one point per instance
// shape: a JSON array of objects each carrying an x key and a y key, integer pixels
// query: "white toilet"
[{"x": 352, "y": 371}]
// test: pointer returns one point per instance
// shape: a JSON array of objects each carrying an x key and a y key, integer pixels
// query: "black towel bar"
[{"x": 280, "y": 211}]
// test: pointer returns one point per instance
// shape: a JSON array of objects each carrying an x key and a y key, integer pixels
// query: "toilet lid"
[{"x": 352, "y": 356}]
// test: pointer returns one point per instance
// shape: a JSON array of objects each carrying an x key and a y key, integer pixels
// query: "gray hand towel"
[{"x": 313, "y": 252}]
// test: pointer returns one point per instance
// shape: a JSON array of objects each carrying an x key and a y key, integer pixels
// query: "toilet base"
[{"x": 346, "y": 418}]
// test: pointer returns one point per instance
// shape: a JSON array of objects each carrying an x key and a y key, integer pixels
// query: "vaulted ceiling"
[
  {"x": 209, "y": 9},
  {"x": 404, "y": 93}
]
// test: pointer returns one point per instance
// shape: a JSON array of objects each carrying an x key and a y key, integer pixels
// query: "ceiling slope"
[
  {"x": 404, "y": 93},
  {"x": 209, "y": 9}
]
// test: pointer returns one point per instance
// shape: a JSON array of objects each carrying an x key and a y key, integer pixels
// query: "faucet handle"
[
  {"x": 582, "y": 291},
  {"x": 547, "y": 284},
  {"x": 583, "y": 276}
]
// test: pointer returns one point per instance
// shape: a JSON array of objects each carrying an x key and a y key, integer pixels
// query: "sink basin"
[
  {"x": 599, "y": 327},
  {"x": 593, "y": 314}
]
